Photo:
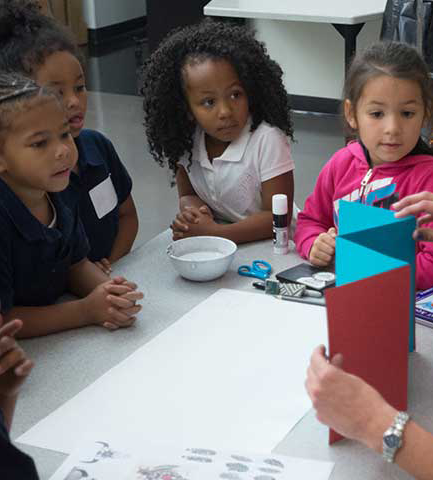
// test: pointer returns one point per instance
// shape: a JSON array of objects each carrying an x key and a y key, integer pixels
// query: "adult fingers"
[
  {"x": 11, "y": 328},
  {"x": 424, "y": 219},
  {"x": 337, "y": 360},
  {"x": 423, "y": 206},
  {"x": 412, "y": 200},
  {"x": 423, "y": 235}
]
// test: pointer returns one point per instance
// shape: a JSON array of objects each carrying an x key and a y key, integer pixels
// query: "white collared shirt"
[{"x": 232, "y": 184}]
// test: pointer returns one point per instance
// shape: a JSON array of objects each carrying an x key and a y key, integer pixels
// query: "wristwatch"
[{"x": 393, "y": 437}]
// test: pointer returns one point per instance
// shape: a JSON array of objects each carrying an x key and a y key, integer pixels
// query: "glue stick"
[{"x": 279, "y": 224}]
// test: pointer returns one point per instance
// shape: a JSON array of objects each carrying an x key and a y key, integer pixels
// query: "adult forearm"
[{"x": 416, "y": 454}]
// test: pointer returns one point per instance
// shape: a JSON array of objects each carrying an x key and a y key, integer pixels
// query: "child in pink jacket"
[{"x": 388, "y": 99}]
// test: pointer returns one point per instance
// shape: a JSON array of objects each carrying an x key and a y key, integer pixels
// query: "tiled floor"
[{"x": 120, "y": 117}]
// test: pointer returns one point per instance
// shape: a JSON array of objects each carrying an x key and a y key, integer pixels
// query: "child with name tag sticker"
[
  {"x": 388, "y": 101},
  {"x": 100, "y": 186},
  {"x": 43, "y": 245},
  {"x": 217, "y": 112}
]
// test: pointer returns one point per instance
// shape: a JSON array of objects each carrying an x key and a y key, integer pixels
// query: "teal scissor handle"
[{"x": 259, "y": 269}]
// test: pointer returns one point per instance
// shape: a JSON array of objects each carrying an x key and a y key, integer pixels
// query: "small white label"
[{"x": 104, "y": 197}]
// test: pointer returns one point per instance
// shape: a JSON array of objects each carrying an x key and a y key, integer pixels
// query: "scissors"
[{"x": 259, "y": 269}]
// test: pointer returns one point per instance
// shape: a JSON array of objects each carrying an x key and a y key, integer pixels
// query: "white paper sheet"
[
  {"x": 229, "y": 373},
  {"x": 113, "y": 461}
]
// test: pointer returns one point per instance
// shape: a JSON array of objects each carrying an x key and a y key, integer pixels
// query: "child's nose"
[
  {"x": 72, "y": 101},
  {"x": 393, "y": 124},
  {"x": 62, "y": 151},
  {"x": 224, "y": 110}
]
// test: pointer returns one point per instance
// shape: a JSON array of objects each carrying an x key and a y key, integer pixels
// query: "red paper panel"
[{"x": 368, "y": 322}]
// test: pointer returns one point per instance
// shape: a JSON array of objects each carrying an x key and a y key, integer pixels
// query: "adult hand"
[
  {"x": 323, "y": 249},
  {"x": 14, "y": 364},
  {"x": 345, "y": 402},
  {"x": 417, "y": 204}
]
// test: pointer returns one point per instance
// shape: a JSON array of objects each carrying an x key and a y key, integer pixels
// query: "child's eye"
[
  {"x": 236, "y": 94},
  {"x": 376, "y": 114},
  {"x": 208, "y": 102},
  {"x": 80, "y": 88},
  {"x": 65, "y": 135},
  {"x": 408, "y": 114},
  {"x": 40, "y": 144}
]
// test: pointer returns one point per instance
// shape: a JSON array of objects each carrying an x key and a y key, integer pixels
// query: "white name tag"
[{"x": 104, "y": 197}]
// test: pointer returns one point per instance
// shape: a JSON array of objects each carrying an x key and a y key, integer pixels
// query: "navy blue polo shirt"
[
  {"x": 14, "y": 464},
  {"x": 35, "y": 259},
  {"x": 97, "y": 160}
]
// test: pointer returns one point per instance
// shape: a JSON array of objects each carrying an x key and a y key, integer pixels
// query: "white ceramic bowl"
[{"x": 201, "y": 258}]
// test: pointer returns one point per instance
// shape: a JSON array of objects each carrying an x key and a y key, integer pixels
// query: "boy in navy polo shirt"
[
  {"x": 43, "y": 246},
  {"x": 100, "y": 186}
]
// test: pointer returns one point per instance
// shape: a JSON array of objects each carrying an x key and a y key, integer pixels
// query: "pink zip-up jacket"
[{"x": 341, "y": 179}]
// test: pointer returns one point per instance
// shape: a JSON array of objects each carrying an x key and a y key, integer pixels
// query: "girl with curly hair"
[
  {"x": 100, "y": 187},
  {"x": 217, "y": 112}
]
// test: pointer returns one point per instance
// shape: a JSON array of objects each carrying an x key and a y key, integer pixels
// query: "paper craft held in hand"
[{"x": 370, "y": 312}]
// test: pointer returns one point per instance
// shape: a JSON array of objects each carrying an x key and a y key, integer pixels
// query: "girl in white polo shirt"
[{"x": 217, "y": 112}]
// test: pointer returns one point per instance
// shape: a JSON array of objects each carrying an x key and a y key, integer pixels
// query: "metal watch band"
[{"x": 393, "y": 437}]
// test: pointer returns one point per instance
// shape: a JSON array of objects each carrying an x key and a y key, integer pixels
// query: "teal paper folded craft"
[{"x": 371, "y": 241}]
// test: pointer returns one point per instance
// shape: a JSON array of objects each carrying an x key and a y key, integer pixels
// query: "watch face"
[{"x": 392, "y": 441}]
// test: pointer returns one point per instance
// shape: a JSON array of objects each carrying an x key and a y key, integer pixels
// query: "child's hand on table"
[
  {"x": 14, "y": 364},
  {"x": 105, "y": 265},
  {"x": 192, "y": 222},
  {"x": 323, "y": 249},
  {"x": 113, "y": 303}
]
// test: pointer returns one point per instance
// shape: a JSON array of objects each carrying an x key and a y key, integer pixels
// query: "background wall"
[
  {"x": 102, "y": 13},
  {"x": 311, "y": 54}
]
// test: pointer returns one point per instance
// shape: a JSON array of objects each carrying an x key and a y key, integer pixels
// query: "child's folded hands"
[
  {"x": 192, "y": 221},
  {"x": 113, "y": 303}
]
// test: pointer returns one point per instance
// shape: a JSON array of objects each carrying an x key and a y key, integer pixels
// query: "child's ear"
[{"x": 349, "y": 113}]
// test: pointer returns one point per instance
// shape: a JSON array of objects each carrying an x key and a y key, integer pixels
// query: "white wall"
[
  {"x": 311, "y": 54},
  {"x": 101, "y": 13}
]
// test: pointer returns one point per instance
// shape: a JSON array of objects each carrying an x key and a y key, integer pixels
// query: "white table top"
[
  {"x": 319, "y": 11},
  {"x": 67, "y": 362}
]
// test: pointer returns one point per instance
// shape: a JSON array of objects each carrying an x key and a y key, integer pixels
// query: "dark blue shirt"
[
  {"x": 97, "y": 160},
  {"x": 14, "y": 464},
  {"x": 35, "y": 259}
]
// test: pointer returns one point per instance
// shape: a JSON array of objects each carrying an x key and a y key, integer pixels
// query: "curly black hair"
[
  {"x": 28, "y": 37},
  {"x": 168, "y": 122}
]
